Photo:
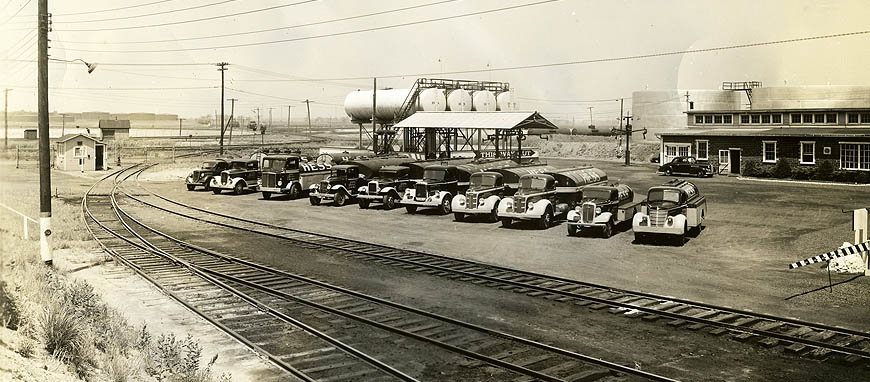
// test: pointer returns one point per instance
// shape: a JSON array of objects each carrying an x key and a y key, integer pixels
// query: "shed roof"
[
  {"x": 500, "y": 120},
  {"x": 776, "y": 132},
  {"x": 67, "y": 137}
]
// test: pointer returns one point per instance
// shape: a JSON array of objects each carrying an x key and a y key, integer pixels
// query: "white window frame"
[
  {"x": 764, "y": 152},
  {"x": 676, "y": 146},
  {"x": 813, "y": 143},
  {"x": 79, "y": 151},
  {"x": 698, "y": 149},
  {"x": 857, "y": 118},
  {"x": 859, "y": 158},
  {"x": 727, "y": 156}
]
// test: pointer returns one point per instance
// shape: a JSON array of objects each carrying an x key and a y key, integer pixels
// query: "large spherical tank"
[
  {"x": 810, "y": 97},
  {"x": 431, "y": 100},
  {"x": 482, "y": 100},
  {"x": 459, "y": 100},
  {"x": 504, "y": 101}
]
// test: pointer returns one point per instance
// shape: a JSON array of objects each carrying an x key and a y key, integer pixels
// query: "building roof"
[
  {"x": 784, "y": 110},
  {"x": 775, "y": 132},
  {"x": 500, "y": 120},
  {"x": 115, "y": 124},
  {"x": 67, "y": 137}
]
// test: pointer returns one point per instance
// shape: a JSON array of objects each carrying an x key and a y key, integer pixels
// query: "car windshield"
[
  {"x": 664, "y": 195},
  {"x": 208, "y": 165},
  {"x": 239, "y": 165},
  {"x": 596, "y": 194},
  {"x": 339, "y": 173},
  {"x": 388, "y": 175},
  {"x": 483, "y": 181},
  {"x": 530, "y": 185},
  {"x": 434, "y": 175},
  {"x": 273, "y": 164}
]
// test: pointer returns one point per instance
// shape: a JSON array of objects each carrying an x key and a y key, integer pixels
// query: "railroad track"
[
  {"x": 806, "y": 339},
  {"x": 267, "y": 303}
]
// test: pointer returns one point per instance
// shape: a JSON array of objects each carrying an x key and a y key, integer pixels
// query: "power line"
[
  {"x": 427, "y": 21},
  {"x": 119, "y": 89},
  {"x": 146, "y": 14},
  {"x": 17, "y": 12},
  {"x": 192, "y": 20},
  {"x": 267, "y": 30},
  {"x": 113, "y": 9},
  {"x": 574, "y": 101}
]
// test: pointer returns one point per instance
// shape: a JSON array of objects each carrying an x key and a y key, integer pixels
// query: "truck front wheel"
[
  {"x": 506, "y": 222},
  {"x": 314, "y": 200},
  {"x": 295, "y": 191},
  {"x": 572, "y": 230},
  {"x": 363, "y": 203},
  {"x": 607, "y": 230},
  {"x": 239, "y": 188},
  {"x": 190, "y": 187},
  {"x": 267, "y": 195},
  {"x": 389, "y": 202},
  {"x": 546, "y": 219},
  {"x": 340, "y": 198},
  {"x": 446, "y": 208},
  {"x": 411, "y": 209}
]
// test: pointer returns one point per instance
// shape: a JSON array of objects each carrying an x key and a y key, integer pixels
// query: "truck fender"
[
  {"x": 572, "y": 215},
  {"x": 489, "y": 202},
  {"x": 440, "y": 196},
  {"x": 387, "y": 190},
  {"x": 233, "y": 182},
  {"x": 505, "y": 204},
  {"x": 337, "y": 188},
  {"x": 635, "y": 221},
  {"x": 539, "y": 207},
  {"x": 312, "y": 187},
  {"x": 212, "y": 182},
  {"x": 679, "y": 221},
  {"x": 458, "y": 202},
  {"x": 603, "y": 217},
  {"x": 362, "y": 189},
  {"x": 410, "y": 193}
]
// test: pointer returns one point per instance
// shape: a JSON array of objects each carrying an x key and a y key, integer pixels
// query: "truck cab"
[
  {"x": 341, "y": 185},
  {"x": 546, "y": 196},
  {"x": 436, "y": 189},
  {"x": 602, "y": 208},
  {"x": 241, "y": 176},
  {"x": 386, "y": 187},
  {"x": 202, "y": 176},
  {"x": 671, "y": 210},
  {"x": 486, "y": 189},
  {"x": 281, "y": 175}
]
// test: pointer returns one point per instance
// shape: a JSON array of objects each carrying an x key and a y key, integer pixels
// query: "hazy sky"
[{"x": 561, "y": 31}]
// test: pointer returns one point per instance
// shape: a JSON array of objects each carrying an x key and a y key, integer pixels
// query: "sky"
[{"x": 336, "y": 57}]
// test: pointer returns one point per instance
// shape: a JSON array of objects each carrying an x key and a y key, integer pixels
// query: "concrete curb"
[{"x": 801, "y": 182}]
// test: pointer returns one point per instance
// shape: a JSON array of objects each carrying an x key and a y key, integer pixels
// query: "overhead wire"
[
  {"x": 147, "y": 14},
  {"x": 113, "y": 9},
  {"x": 17, "y": 12},
  {"x": 264, "y": 30}
]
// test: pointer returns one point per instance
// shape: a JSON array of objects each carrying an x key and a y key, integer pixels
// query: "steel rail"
[
  {"x": 265, "y": 308},
  {"x": 581, "y": 357},
  {"x": 627, "y": 306}
]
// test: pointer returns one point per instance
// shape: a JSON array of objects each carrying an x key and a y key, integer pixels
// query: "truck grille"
[
  {"x": 224, "y": 177},
  {"x": 520, "y": 205},
  {"x": 269, "y": 180},
  {"x": 420, "y": 190},
  {"x": 657, "y": 217},
  {"x": 471, "y": 199},
  {"x": 324, "y": 186},
  {"x": 373, "y": 187},
  {"x": 588, "y": 212}
]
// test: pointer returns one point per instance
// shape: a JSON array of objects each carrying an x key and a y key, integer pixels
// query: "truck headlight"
[
  {"x": 597, "y": 210},
  {"x": 280, "y": 183},
  {"x": 670, "y": 220},
  {"x": 530, "y": 206},
  {"x": 643, "y": 220}
]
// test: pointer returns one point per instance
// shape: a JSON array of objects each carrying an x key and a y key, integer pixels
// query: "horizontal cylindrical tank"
[
  {"x": 459, "y": 100},
  {"x": 482, "y": 100},
  {"x": 358, "y": 104},
  {"x": 504, "y": 101}
]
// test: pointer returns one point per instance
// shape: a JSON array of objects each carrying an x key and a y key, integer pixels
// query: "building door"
[
  {"x": 98, "y": 157},
  {"x": 735, "y": 161}
]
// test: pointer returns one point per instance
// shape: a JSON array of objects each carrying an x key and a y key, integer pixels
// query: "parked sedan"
[{"x": 687, "y": 165}]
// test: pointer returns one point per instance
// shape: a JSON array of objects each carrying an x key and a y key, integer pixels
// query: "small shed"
[
  {"x": 115, "y": 129},
  {"x": 80, "y": 152}
]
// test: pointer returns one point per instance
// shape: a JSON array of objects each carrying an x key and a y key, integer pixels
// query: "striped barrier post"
[
  {"x": 863, "y": 247},
  {"x": 24, "y": 218}
]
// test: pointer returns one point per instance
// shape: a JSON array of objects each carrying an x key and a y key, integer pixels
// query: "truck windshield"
[
  {"x": 483, "y": 181},
  {"x": 529, "y": 185},
  {"x": 208, "y": 165},
  {"x": 239, "y": 165},
  {"x": 434, "y": 175},
  {"x": 273, "y": 164},
  {"x": 596, "y": 194},
  {"x": 664, "y": 195},
  {"x": 388, "y": 175},
  {"x": 339, "y": 173}
]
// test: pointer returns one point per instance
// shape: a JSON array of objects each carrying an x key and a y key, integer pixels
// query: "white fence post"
[{"x": 26, "y": 232}]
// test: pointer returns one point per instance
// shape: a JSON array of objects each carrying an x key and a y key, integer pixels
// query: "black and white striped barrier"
[{"x": 865, "y": 246}]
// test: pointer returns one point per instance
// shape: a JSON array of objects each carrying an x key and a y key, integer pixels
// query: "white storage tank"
[
  {"x": 482, "y": 100},
  {"x": 358, "y": 104},
  {"x": 504, "y": 101},
  {"x": 459, "y": 100},
  {"x": 431, "y": 100}
]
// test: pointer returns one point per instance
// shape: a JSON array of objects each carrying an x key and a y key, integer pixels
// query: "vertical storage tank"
[
  {"x": 459, "y": 100},
  {"x": 482, "y": 100},
  {"x": 504, "y": 101}
]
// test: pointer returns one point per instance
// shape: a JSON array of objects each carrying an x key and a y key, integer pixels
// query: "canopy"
[{"x": 498, "y": 120}]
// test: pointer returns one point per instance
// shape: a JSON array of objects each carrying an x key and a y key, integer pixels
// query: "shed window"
[
  {"x": 765, "y": 118},
  {"x": 768, "y": 149},
  {"x": 717, "y": 119},
  {"x": 702, "y": 148},
  {"x": 831, "y": 118},
  {"x": 795, "y": 118},
  {"x": 808, "y": 152},
  {"x": 808, "y": 118},
  {"x": 78, "y": 152},
  {"x": 820, "y": 118}
]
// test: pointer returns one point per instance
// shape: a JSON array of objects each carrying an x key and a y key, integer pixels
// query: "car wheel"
[
  {"x": 506, "y": 222},
  {"x": 572, "y": 230},
  {"x": 546, "y": 219},
  {"x": 190, "y": 187},
  {"x": 639, "y": 237},
  {"x": 216, "y": 190},
  {"x": 411, "y": 209},
  {"x": 446, "y": 208},
  {"x": 239, "y": 188},
  {"x": 389, "y": 202},
  {"x": 607, "y": 231},
  {"x": 458, "y": 216},
  {"x": 340, "y": 198},
  {"x": 314, "y": 200},
  {"x": 295, "y": 191},
  {"x": 267, "y": 195},
  {"x": 668, "y": 172},
  {"x": 363, "y": 203},
  {"x": 493, "y": 215}
]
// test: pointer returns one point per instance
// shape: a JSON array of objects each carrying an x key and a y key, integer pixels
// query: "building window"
[
  {"x": 701, "y": 148},
  {"x": 699, "y": 119},
  {"x": 852, "y": 118},
  {"x": 765, "y": 118},
  {"x": 808, "y": 152},
  {"x": 717, "y": 119},
  {"x": 768, "y": 149},
  {"x": 795, "y": 119},
  {"x": 708, "y": 119},
  {"x": 724, "y": 157},
  {"x": 819, "y": 118},
  {"x": 78, "y": 152},
  {"x": 756, "y": 118},
  {"x": 808, "y": 118},
  {"x": 726, "y": 119},
  {"x": 777, "y": 118},
  {"x": 865, "y": 117},
  {"x": 744, "y": 119},
  {"x": 831, "y": 118},
  {"x": 855, "y": 156}
]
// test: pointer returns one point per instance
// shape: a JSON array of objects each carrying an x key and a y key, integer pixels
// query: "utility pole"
[
  {"x": 232, "y": 113},
  {"x": 590, "y": 116},
  {"x": 222, "y": 68},
  {"x": 627, "y": 131},
  {"x": 689, "y": 105},
  {"x": 44, "y": 160},
  {"x": 62, "y": 123},
  {"x": 307, "y": 106},
  {"x": 179, "y": 126},
  {"x": 621, "y": 102},
  {"x": 374, "y": 115},
  {"x": 289, "y": 113},
  {"x": 6, "y": 119}
]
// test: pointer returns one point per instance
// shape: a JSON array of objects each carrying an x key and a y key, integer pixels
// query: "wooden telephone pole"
[
  {"x": 627, "y": 130},
  {"x": 43, "y": 131},
  {"x": 222, "y": 68}
]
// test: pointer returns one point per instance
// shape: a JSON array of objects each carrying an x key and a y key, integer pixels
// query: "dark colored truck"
[
  {"x": 346, "y": 179},
  {"x": 486, "y": 189},
  {"x": 289, "y": 174},
  {"x": 242, "y": 175},
  {"x": 442, "y": 182},
  {"x": 602, "y": 208},
  {"x": 547, "y": 196},
  {"x": 386, "y": 187},
  {"x": 202, "y": 176}
]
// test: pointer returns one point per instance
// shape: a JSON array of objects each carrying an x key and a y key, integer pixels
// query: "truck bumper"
[
  {"x": 276, "y": 190},
  {"x": 374, "y": 198},
  {"x": 517, "y": 216},
  {"x": 664, "y": 230},
  {"x": 586, "y": 225},
  {"x": 472, "y": 211},
  {"x": 323, "y": 196},
  {"x": 413, "y": 202}
]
